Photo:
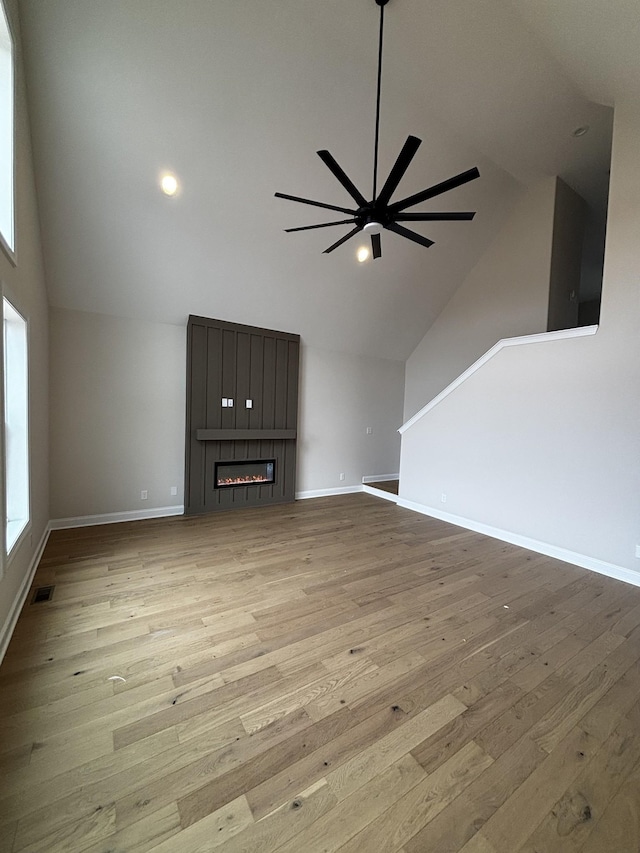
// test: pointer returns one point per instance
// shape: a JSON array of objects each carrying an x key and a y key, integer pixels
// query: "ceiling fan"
[{"x": 375, "y": 215}]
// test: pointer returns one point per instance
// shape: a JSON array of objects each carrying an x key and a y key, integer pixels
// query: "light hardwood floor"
[{"x": 336, "y": 675}]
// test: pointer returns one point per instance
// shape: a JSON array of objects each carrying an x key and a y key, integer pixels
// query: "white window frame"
[
  {"x": 12, "y": 313},
  {"x": 8, "y": 241}
]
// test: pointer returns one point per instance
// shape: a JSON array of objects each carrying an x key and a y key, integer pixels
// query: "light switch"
[
  {"x": 225, "y": 403},
  {"x": 248, "y": 404},
  {"x": 230, "y": 402}
]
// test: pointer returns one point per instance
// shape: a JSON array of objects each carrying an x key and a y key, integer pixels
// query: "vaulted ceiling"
[{"x": 236, "y": 96}]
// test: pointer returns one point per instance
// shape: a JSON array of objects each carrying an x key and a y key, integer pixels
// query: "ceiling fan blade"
[
  {"x": 435, "y": 217},
  {"x": 320, "y": 225},
  {"x": 376, "y": 246},
  {"x": 342, "y": 240},
  {"x": 341, "y": 175},
  {"x": 410, "y": 235},
  {"x": 437, "y": 189},
  {"x": 400, "y": 167},
  {"x": 315, "y": 203}
]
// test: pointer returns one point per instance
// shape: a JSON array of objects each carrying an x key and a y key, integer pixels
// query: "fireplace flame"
[{"x": 241, "y": 481}]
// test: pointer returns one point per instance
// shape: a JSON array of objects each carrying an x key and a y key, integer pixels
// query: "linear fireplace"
[{"x": 256, "y": 472}]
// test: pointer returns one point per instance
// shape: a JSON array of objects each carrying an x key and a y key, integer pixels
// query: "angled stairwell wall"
[
  {"x": 541, "y": 445},
  {"x": 505, "y": 294}
]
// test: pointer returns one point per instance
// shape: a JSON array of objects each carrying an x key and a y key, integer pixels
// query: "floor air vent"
[{"x": 42, "y": 593}]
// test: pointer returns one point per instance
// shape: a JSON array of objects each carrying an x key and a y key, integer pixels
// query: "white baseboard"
[
  {"x": 324, "y": 493},
  {"x": 349, "y": 490},
  {"x": 380, "y": 493},
  {"x": 115, "y": 517},
  {"x": 600, "y": 566},
  {"x": 18, "y": 602}
]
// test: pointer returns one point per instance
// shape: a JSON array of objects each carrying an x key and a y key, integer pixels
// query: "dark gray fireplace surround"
[{"x": 242, "y": 413}]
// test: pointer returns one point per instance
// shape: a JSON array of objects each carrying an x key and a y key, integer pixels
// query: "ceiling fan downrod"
[{"x": 382, "y": 4}]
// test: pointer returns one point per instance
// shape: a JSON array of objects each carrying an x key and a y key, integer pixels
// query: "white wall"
[
  {"x": 544, "y": 440},
  {"x": 118, "y": 408},
  {"x": 506, "y": 294},
  {"x": 342, "y": 395},
  {"x": 117, "y": 413},
  {"x": 25, "y": 285}
]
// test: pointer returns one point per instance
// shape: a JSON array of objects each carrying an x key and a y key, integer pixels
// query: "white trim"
[
  {"x": 380, "y": 493},
  {"x": 351, "y": 490},
  {"x": 8, "y": 252},
  {"x": 324, "y": 493},
  {"x": 380, "y": 478},
  {"x": 15, "y": 549},
  {"x": 12, "y": 617},
  {"x": 561, "y": 335},
  {"x": 115, "y": 517},
  {"x": 12, "y": 253},
  {"x": 609, "y": 569}
]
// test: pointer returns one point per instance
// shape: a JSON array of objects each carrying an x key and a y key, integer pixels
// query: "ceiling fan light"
[
  {"x": 373, "y": 228},
  {"x": 169, "y": 184}
]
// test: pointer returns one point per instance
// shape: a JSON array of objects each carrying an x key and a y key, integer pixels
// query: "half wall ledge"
[{"x": 543, "y": 337}]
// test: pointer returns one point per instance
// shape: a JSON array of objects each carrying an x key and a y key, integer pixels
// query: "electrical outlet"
[
  {"x": 342, "y": 476},
  {"x": 144, "y": 494},
  {"x": 174, "y": 490},
  {"x": 443, "y": 498},
  {"x": 369, "y": 430}
]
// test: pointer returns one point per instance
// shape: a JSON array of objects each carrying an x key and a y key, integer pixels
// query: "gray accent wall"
[{"x": 236, "y": 363}]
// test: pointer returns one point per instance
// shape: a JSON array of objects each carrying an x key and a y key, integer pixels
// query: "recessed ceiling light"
[
  {"x": 363, "y": 254},
  {"x": 581, "y": 131},
  {"x": 169, "y": 184}
]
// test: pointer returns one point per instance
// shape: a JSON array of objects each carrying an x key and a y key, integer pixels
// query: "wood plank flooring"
[{"x": 338, "y": 674}]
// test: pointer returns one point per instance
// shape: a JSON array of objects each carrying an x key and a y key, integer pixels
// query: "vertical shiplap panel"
[
  {"x": 292, "y": 384},
  {"x": 243, "y": 379},
  {"x": 213, "y": 359},
  {"x": 242, "y": 363},
  {"x": 281, "y": 381},
  {"x": 228, "y": 369},
  {"x": 197, "y": 412},
  {"x": 256, "y": 381},
  {"x": 281, "y": 451},
  {"x": 268, "y": 383},
  {"x": 213, "y": 419}
]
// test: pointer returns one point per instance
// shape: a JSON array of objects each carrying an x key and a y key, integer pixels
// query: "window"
[
  {"x": 6, "y": 134},
  {"x": 16, "y": 435}
]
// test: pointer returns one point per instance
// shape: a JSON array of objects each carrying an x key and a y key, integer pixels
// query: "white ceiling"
[
  {"x": 236, "y": 96},
  {"x": 597, "y": 42}
]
